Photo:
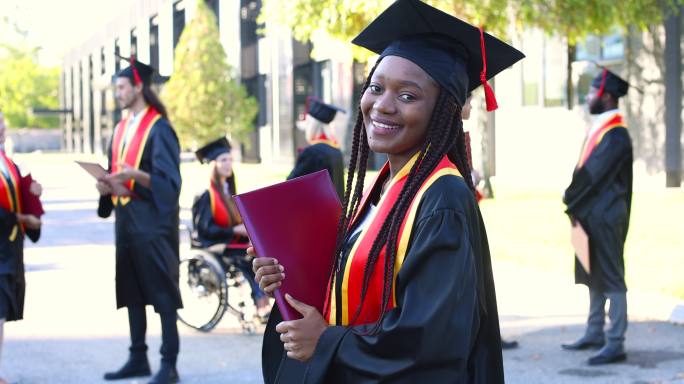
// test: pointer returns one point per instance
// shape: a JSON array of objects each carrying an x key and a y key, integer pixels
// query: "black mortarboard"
[
  {"x": 136, "y": 71},
  {"x": 321, "y": 111},
  {"x": 459, "y": 56},
  {"x": 213, "y": 150},
  {"x": 607, "y": 81}
]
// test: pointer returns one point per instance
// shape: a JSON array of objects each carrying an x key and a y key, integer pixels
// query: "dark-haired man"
[
  {"x": 143, "y": 190},
  {"x": 599, "y": 199}
]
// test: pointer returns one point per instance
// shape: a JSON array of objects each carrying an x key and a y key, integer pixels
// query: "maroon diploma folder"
[
  {"x": 31, "y": 203},
  {"x": 296, "y": 223}
]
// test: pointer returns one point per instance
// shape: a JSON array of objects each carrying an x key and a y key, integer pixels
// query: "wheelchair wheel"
[
  {"x": 239, "y": 300},
  {"x": 203, "y": 289}
]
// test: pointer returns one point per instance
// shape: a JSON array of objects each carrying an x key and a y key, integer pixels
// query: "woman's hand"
[
  {"x": 268, "y": 273},
  {"x": 300, "y": 337},
  {"x": 36, "y": 189},
  {"x": 29, "y": 221}
]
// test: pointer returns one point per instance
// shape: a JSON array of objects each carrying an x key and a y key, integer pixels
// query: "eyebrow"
[{"x": 404, "y": 83}]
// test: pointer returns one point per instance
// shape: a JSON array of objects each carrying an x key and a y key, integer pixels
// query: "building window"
[
  {"x": 134, "y": 42},
  {"x": 178, "y": 23},
  {"x": 610, "y": 47},
  {"x": 214, "y": 6}
]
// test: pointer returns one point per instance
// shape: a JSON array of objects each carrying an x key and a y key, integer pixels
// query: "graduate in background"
[
  {"x": 14, "y": 225},
  {"x": 144, "y": 157},
  {"x": 599, "y": 199},
  {"x": 216, "y": 221},
  {"x": 411, "y": 294},
  {"x": 323, "y": 151}
]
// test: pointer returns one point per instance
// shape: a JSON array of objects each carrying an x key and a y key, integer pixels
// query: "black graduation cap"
[
  {"x": 213, "y": 150},
  {"x": 608, "y": 81},
  {"x": 136, "y": 71},
  {"x": 459, "y": 56},
  {"x": 321, "y": 111}
]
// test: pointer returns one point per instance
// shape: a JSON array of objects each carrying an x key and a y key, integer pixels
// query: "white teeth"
[{"x": 384, "y": 126}]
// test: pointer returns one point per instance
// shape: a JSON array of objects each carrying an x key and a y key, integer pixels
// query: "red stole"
[
  {"x": 218, "y": 209},
  {"x": 592, "y": 141},
  {"x": 131, "y": 153},
  {"x": 352, "y": 279},
  {"x": 10, "y": 195}
]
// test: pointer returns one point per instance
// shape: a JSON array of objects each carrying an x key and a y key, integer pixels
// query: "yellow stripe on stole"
[
  {"x": 408, "y": 228},
  {"x": 125, "y": 199}
]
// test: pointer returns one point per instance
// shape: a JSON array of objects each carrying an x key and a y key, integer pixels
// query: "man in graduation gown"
[
  {"x": 143, "y": 190},
  {"x": 323, "y": 151},
  {"x": 599, "y": 199}
]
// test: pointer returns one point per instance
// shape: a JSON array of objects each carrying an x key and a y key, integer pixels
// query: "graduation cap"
[
  {"x": 459, "y": 56},
  {"x": 608, "y": 81},
  {"x": 321, "y": 111},
  {"x": 136, "y": 71},
  {"x": 213, "y": 150}
]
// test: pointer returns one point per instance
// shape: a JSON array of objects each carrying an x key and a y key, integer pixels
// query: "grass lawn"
[{"x": 531, "y": 229}]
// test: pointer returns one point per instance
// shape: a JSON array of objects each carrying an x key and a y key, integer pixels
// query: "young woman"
[
  {"x": 14, "y": 226},
  {"x": 411, "y": 295},
  {"x": 215, "y": 217}
]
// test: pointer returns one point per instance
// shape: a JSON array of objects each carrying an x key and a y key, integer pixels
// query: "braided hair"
[{"x": 444, "y": 136}]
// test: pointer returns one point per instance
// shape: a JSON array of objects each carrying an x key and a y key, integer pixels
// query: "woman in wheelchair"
[{"x": 216, "y": 221}]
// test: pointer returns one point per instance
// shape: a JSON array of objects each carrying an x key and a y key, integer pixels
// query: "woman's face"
[
  {"x": 397, "y": 106},
  {"x": 224, "y": 164}
]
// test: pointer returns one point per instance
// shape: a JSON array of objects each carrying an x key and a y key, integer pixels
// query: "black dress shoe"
[
  {"x": 509, "y": 344},
  {"x": 136, "y": 366},
  {"x": 608, "y": 355},
  {"x": 584, "y": 343},
  {"x": 167, "y": 374}
]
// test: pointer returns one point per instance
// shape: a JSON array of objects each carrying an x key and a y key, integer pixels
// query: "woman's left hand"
[
  {"x": 36, "y": 189},
  {"x": 300, "y": 337}
]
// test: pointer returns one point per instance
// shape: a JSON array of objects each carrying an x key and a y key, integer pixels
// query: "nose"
[{"x": 384, "y": 104}]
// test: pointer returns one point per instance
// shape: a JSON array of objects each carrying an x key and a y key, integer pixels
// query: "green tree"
[
  {"x": 203, "y": 96},
  {"x": 24, "y": 84}
]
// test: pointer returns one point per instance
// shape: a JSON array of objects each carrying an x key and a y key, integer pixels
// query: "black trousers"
[{"x": 137, "y": 322}]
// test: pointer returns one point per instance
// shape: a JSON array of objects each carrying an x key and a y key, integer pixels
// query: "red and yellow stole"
[
  {"x": 130, "y": 153},
  {"x": 352, "y": 279},
  {"x": 592, "y": 141},
  {"x": 10, "y": 195},
  {"x": 323, "y": 138},
  {"x": 223, "y": 216}
]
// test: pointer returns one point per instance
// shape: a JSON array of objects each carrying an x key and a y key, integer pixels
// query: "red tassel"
[
  {"x": 603, "y": 83},
  {"x": 136, "y": 75},
  {"x": 490, "y": 99}
]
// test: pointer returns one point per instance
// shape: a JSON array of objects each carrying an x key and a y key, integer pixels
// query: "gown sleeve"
[
  {"x": 105, "y": 204},
  {"x": 307, "y": 162},
  {"x": 165, "y": 178},
  {"x": 436, "y": 319},
  {"x": 614, "y": 149},
  {"x": 204, "y": 221}
]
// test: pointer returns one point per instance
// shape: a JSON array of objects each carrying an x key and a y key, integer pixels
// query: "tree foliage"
[
  {"x": 203, "y": 96},
  {"x": 24, "y": 84}
]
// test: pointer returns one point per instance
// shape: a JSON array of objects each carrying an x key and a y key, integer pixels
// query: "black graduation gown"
[
  {"x": 147, "y": 244},
  {"x": 600, "y": 197},
  {"x": 206, "y": 231},
  {"x": 445, "y": 328},
  {"x": 318, "y": 157},
  {"x": 12, "y": 261}
]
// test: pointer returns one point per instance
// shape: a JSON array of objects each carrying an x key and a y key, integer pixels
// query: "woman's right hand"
[{"x": 268, "y": 273}]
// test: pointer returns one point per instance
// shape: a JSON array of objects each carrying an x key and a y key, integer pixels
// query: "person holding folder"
[
  {"x": 216, "y": 220},
  {"x": 599, "y": 200},
  {"x": 15, "y": 224},
  {"x": 144, "y": 158},
  {"x": 323, "y": 151},
  {"x": 411, "y": 296}
]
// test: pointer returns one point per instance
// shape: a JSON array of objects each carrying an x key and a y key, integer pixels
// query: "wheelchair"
[{"x": 211, "y": 284}]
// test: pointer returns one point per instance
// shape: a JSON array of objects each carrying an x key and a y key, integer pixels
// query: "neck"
[
  {"x": 138, "y": 105},
  {"x": 397, "y": 162}
]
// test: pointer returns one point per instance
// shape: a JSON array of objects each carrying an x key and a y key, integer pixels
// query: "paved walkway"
[{"x": 72, "y": 333}]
